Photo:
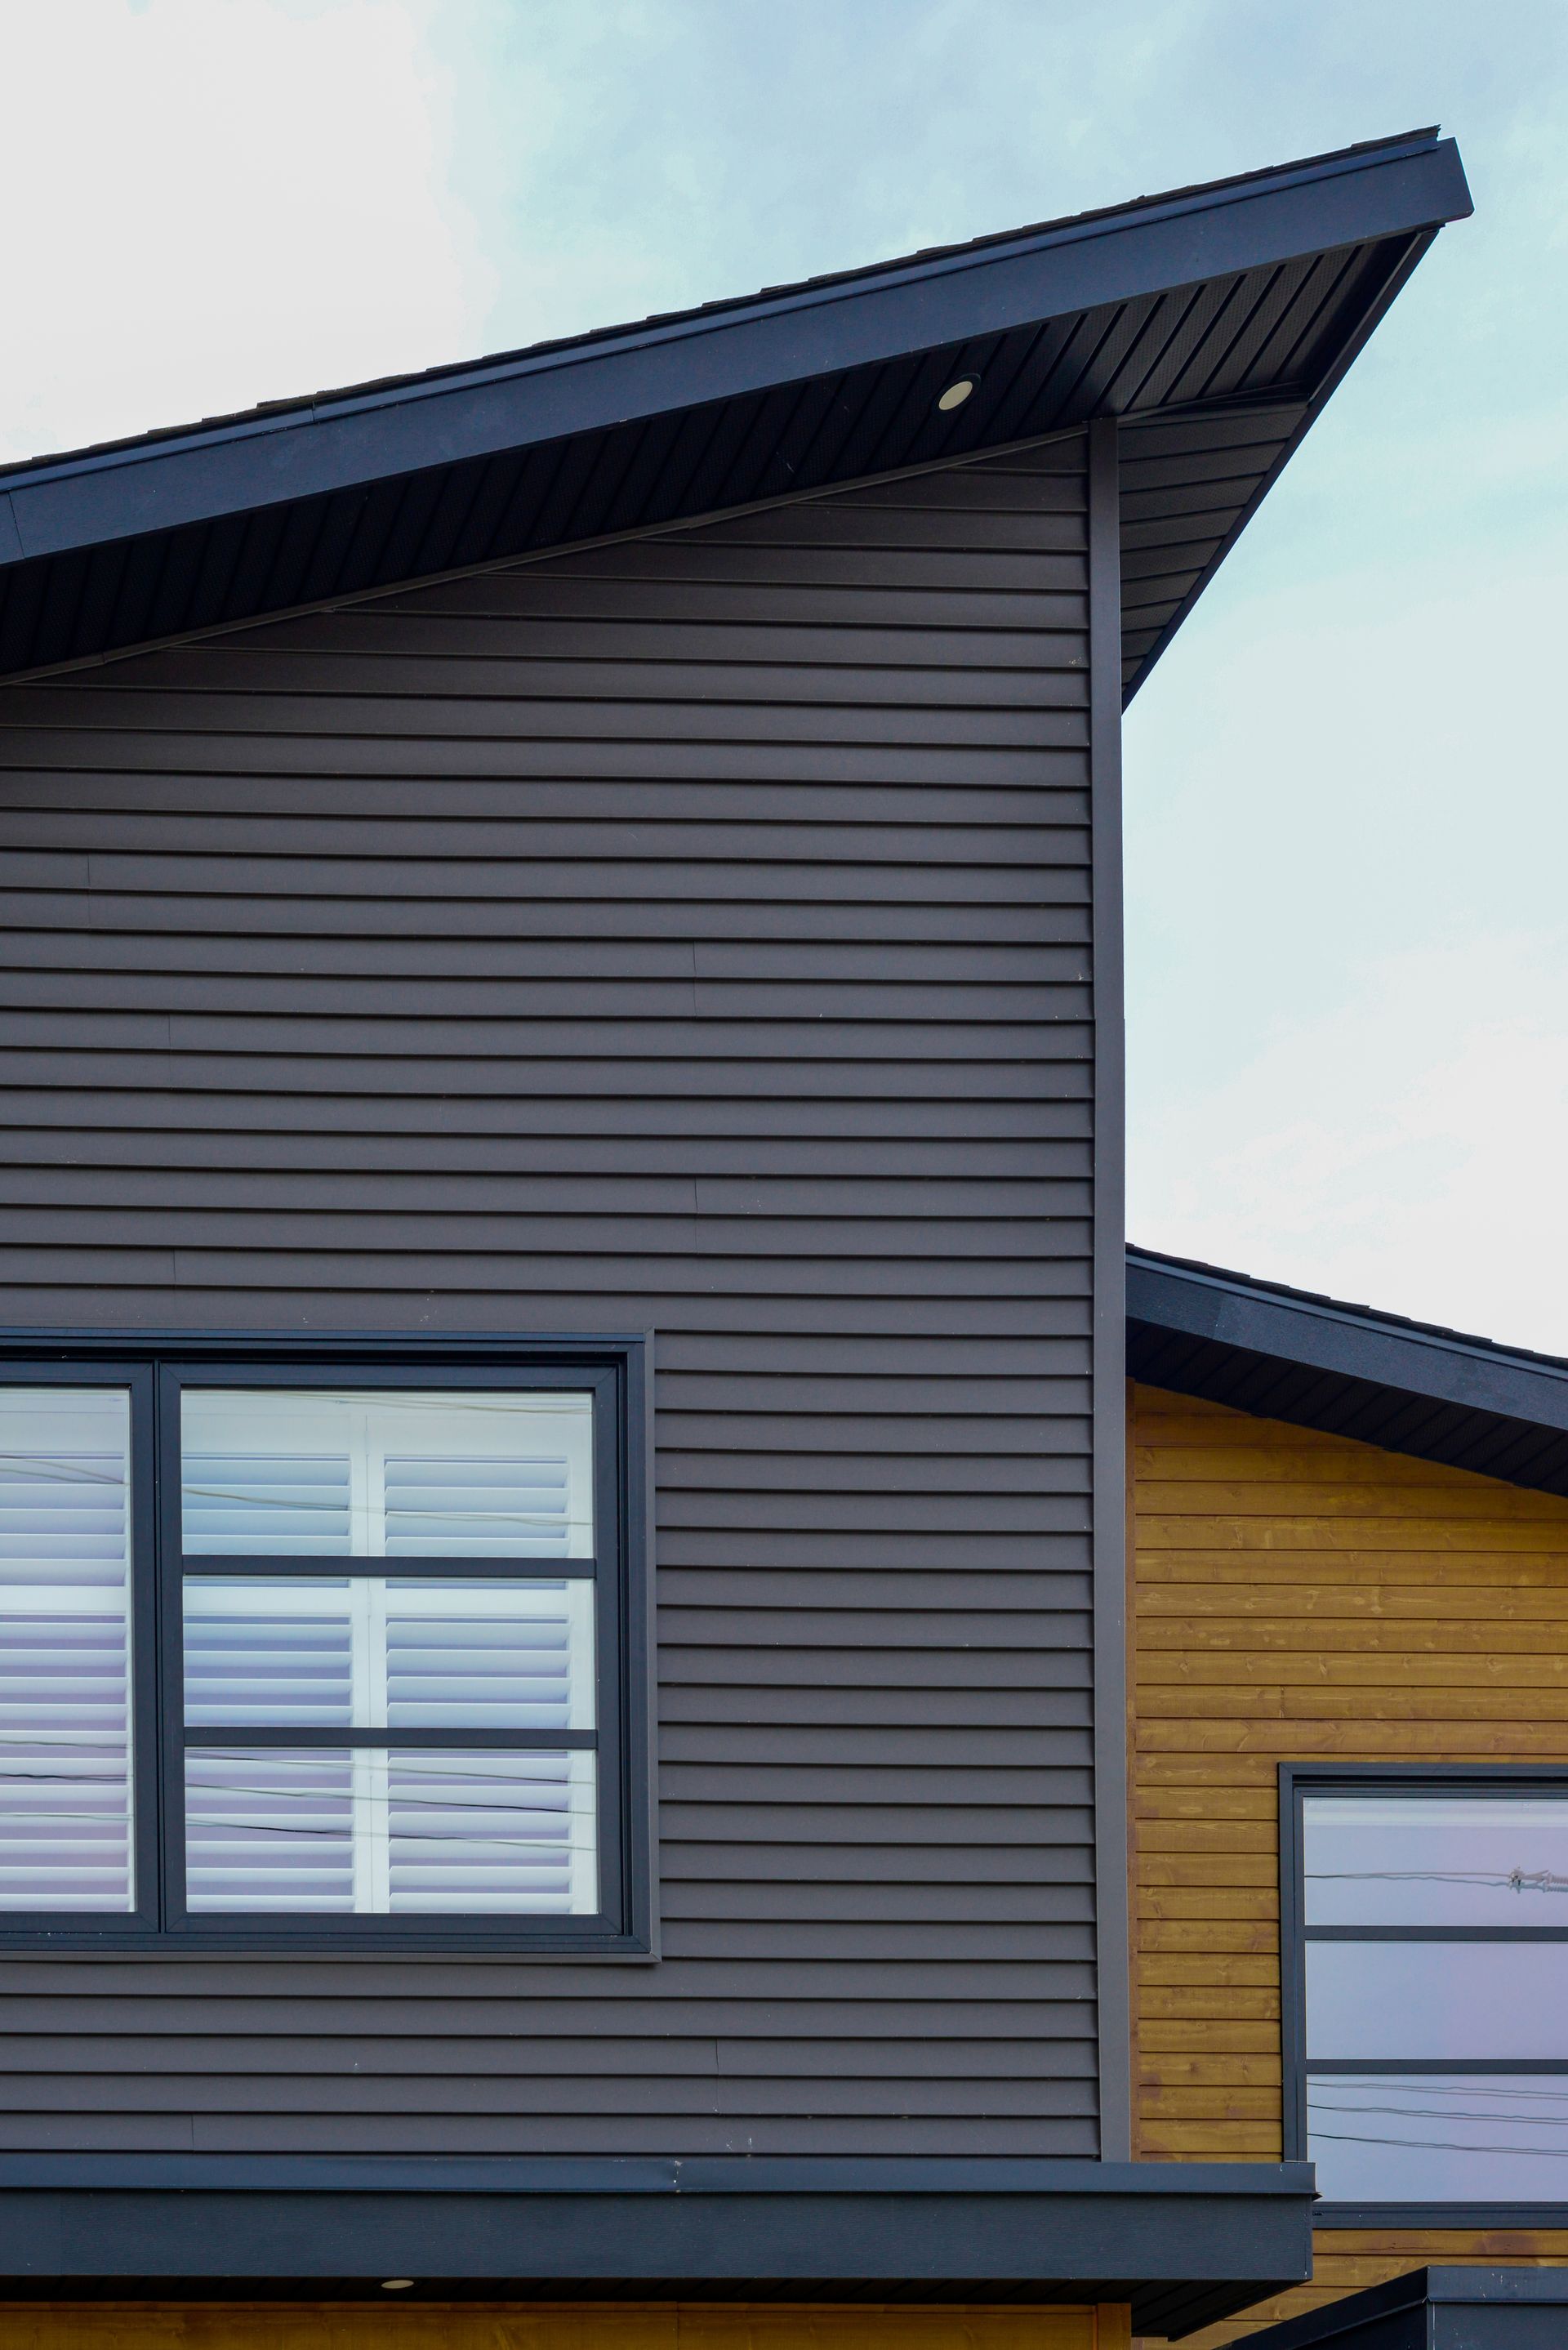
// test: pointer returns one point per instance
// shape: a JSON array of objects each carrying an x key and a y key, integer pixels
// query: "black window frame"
[
  {"x": 155, "y": 1371},
  {"x": 1297, "y": 1781}
]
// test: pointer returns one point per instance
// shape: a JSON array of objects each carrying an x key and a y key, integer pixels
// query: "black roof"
[
  {"x": 1287, "y": 1353},
  {"x": 1437, "y": 2309},
  {"x": 1213, "y": 321}
]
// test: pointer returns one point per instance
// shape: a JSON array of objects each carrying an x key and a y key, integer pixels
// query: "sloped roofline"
[
  {"x": 930, "y": 262},
  {"x": 1320, "y": 1362},
  {"x": 1222, "y": 259}
]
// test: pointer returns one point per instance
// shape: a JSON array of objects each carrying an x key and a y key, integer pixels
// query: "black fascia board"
[
  {"x": 1437, "y": 2309},
  {"x": 1184, "y": 2243},
  {"x": 1438, "y": 1394},
  {"x": 356, "y": 439}
]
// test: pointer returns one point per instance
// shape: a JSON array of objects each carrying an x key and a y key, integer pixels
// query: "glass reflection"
[
  {"x": 66, "y": 1780},
  {"x": 1415, "y": 2137},
  {"x": 365, "y": 1830},
  {"x": 370, "y": 1651},
  {"x": 392, "y": 1475},
  {"x": 1422, "y": 2002},
  {"x": 1439, "y": 1859}
]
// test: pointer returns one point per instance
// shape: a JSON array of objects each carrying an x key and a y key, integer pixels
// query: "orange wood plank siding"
[
  {"x": 1297, "y": 1595},
  {"x": 389, "y": 2323}
]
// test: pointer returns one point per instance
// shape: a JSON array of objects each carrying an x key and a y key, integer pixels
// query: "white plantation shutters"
[
  {"x": 283, "y": 1473},
  {"x": 66, "y": 1784},
  {"x": 371, "y": 1652},
  {"x": 484, "y": 1506},
  {"x": 432, "y": 1483},
  {"x": 277, "y": 1504},
  {"x": 278, "y": 1829}
]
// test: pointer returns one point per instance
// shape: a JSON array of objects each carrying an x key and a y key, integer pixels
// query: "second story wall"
[{"x": 690, "y": 935}]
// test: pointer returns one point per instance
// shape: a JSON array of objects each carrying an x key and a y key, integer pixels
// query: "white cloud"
[
  {"x": 216, "y": 202},
  {"x": 1408, "y": 1149}
]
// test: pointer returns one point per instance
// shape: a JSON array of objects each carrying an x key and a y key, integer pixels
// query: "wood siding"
[
  {"x": 507, "y": 2325},
  {"x": 1296, "y": 1597},
  {"x": 689, "y": 934}
]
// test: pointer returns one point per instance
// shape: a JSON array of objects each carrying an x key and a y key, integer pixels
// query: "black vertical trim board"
[
  {"x": 641, "y": 1678},
  {"x": 1293, "y": 1965},
  {"x": 1109, "y": 1372}
]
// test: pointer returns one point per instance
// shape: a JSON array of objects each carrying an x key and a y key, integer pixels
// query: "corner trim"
[{"x": 1108, "y": 1356}]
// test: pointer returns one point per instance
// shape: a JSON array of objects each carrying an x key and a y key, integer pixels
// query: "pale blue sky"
[{"x": 1348, "y": 843}]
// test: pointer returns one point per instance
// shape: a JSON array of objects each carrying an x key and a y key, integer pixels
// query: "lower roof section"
[
  {"x": 1185, "y": 2244},
  {"x": 1410, "y": 1387},
  {"x": 1437, "y": 2309}
]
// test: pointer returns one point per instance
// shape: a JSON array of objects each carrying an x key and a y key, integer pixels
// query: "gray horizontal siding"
[{"x": 691, "y": 935}]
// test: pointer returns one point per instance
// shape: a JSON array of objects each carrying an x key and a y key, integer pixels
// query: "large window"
[
  {"x": 322, "y": 1651},
  {"x": 1427, "y": 1982}
]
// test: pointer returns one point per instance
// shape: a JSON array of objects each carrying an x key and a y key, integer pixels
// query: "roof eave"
[
  {"x": 1434, "y": 1394},
  {"x": 343, "y": 442},
  {"x": 1322, "y": 1337}
]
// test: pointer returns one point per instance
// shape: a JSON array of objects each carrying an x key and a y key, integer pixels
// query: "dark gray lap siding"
[{"x": 688, "y": 935}]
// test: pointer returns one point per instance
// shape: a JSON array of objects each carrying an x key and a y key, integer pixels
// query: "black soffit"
[
  {"x": 1409, "y": 1387},
  {"x": 1213, "y": 321}
]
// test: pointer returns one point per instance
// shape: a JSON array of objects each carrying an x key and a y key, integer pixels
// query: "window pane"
[
  {"x": 1423, "y": 2001},
  {"x": 370, "y": 1652},
  {"x": 269, "y": 1832},
  {"x": 1440, "y": 1859},
  {"x": 65, "y": 1807},
  {"x": 365, "y": 1831},
  {"x": 1413, "y": 2139},
  {"x": 333, "y": 1474}
]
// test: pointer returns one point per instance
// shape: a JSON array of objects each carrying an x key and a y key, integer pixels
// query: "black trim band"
[{"x": 1183, "y": 2243}]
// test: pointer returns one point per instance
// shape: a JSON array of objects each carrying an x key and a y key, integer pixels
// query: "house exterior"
[
  {"x": 563, "y": 1660},
  {"x": 1348, "y": 1762}
]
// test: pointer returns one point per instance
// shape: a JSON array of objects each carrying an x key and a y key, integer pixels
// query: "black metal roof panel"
[
  {"x": 1213, "y": 321},
  {"x": 1438, "y": 2309},
  {"x": 1286, "y": 1354}
]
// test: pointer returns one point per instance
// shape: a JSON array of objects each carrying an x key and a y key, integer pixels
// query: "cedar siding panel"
[
  {"x": 690, "y": 935},
  {"x": 1301, "y": 1597}
]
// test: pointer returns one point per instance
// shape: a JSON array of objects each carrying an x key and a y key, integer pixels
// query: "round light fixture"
[
  {"x": 957, "y": 393},
  {"x": 396, "y": 2284}
]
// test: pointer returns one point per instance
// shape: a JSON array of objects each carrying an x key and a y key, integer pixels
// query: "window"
[
  {"x": 1427, "y": 1935},
  {"x": 345, "y": 1653}
]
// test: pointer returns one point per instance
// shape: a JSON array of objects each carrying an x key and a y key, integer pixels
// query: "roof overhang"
[
  {"x": 1438, "y": 2309},
  {"x": 1213, "y": 323},
  {"x": 1321, "y": 1363},
  {"x": 1185, "y": 2243}
]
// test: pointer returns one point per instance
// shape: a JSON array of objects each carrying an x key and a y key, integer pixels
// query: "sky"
[{"x": 1347, "y": 820}]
